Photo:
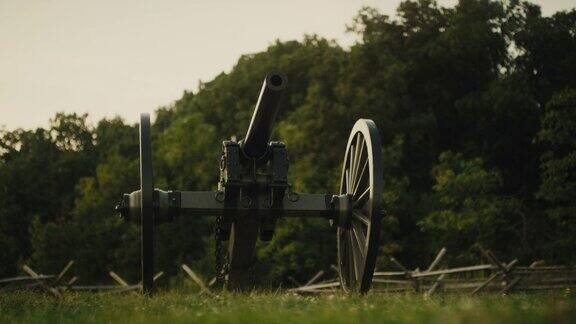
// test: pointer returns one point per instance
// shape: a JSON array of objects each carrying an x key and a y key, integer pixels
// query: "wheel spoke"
[
  {"x": 360, "y": 143},
  {"x": 351, "y": 163},
  {"x": 362, "y": 199},
  {"x": 353, "y": 159},
  {"x": 350, "y": 264},
  {"x": 347, "y": 181},
  {"x": 341, "y": 255},
  {"x": 356, "y": 255},
  {"x": 361, "y": 217},
  {"x": 359, "y": 180},
  {"x": 360, "y": 238},
  {"x": 345, "y": 256}
]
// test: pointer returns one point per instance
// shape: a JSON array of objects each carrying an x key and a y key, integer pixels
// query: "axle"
[{"x": 171, "y": 204}]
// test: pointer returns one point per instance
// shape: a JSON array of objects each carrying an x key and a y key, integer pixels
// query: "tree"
[
  {"x": 467, "y": 207},
  {"x": 92, "y": 234},
  {"x": 39, "y": 171},
  {"x": 558, "y": 164}
]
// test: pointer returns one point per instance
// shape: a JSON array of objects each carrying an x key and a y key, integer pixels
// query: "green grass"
[{"x": 261, "y": 308}]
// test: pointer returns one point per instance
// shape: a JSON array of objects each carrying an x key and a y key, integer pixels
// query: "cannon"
[{"x": 253, "y": 192}]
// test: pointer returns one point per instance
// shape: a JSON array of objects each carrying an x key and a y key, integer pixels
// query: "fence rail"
[{"x": 493, "y": 276}]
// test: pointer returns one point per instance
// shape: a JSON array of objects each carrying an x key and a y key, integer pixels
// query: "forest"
[{"x": 476, "y": 106}]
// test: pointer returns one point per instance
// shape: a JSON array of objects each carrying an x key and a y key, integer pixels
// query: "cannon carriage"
[{"x": 253, "y": 192}]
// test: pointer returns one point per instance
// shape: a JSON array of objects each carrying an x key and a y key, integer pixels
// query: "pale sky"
[{"x": 113, "y": 57}]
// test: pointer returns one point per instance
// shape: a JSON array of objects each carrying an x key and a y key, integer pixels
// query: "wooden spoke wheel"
[
  {"x": 361, "y": 182},
  {"x": 146, "y": 206}
]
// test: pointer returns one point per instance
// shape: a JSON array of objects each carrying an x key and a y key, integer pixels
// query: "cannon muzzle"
[{"x": 256, "y": 141}]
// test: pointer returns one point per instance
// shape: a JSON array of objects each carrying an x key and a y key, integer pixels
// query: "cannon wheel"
[
  {"x": 358, "y": 242},
  {"x": 147, "y": 207}
]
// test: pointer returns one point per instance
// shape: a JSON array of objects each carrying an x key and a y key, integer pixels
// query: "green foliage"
[
  {"x": 558, "y": 166},
  {"x": 290, "y": 254},
  {"x": 93, "y": 235},
  {"x": 467, "y": 207},
  {"x": 39, "y": 170},
  {"x": 466, "y": 194}
]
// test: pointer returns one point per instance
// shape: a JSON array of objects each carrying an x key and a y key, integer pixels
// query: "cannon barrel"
[{"x": 255, "y": 143}]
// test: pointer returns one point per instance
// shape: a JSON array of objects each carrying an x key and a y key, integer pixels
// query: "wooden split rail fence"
[
  {"x": 493, "y": 276},
  {"x": 56, "y": 285}
]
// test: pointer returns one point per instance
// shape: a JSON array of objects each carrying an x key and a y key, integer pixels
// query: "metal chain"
[{"x": 219, "y": 261}]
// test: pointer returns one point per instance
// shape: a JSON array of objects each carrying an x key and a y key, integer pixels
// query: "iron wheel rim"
[
  {"x": 362, "y": 179},
  {"x": 146, "y": 205}
]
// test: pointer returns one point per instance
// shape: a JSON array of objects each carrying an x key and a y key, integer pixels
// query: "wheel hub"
[{"x": 342, "y": 210}]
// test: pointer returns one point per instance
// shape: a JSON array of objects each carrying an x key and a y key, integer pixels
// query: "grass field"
[{"x": 260, "y": 308}]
